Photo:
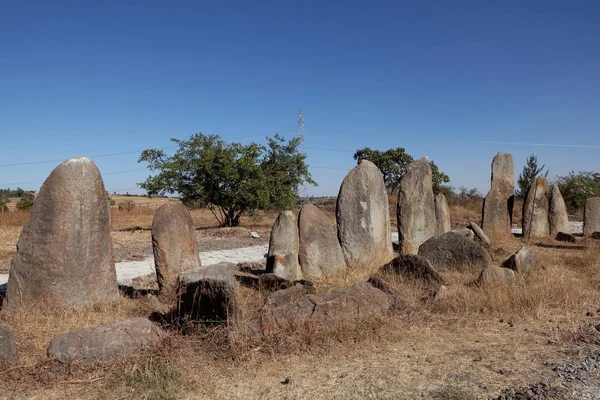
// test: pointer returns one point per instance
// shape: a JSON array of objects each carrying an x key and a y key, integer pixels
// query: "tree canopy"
[
  {"x": 393, "y": 162},
  {"x": 230, "y": 179},
  {"x": 576, "y": 188},
  {"x": 528, "y": 176}
]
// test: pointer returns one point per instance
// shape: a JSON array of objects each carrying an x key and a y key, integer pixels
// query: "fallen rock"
[
  {"x": 466, "y": 232},
  {"x": 93, "y": 345},
  {"x": 493, "y": 275},
  {"x": 480, "y": 234},
  {"x": 442, "y": 214},
  {"x": 64, "y": 255},
  {"x": 320, "y": 253},
  {"x": 363, "y": 218},
  {"x": 498, "y": 203},
  {"x": 452, "y": 250},
  {"x": 173, "y": 243},
  {"x": 591, "y": 216},
  {"x": 414, "y": 266},
  {"x": 292, "y": 293},
  {"x": 535, "y": 210},
  {"x": 522, "y": 260},
  {"x": 397, "y": 301},
  {"x": 596, "y": 235},
  {"x": 443, "y": 292},
  {"x": 207, "y": 294},
  {"x": 8, "y": 347},
  {"x": 416, "y": 210},
  {"x": 565, "y": 237},
  {"x": 557, "y": 213},
  {"x": 282, "y": 258}
]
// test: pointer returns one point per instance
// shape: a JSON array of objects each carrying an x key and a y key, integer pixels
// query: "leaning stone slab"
[
  {"x": 363, "y": 218},
  {"x": 479, "y": 234},
  {"x": 557, "y": 213},
  {"x": 522, "y": 260},
  {"x": 320, "y": 253},
  {"x": 414, "y": 266},
  {"x": 106, "y": 342},
  {"x": 207, "y": 294},
  {"x": 493, "y": 275},
  {"x": 591, "y": 216},
  {"x": 498, "y": 203},
  {"x": 64, "y": 255},
  {"x": 284, "y": 245},
  {"x": 8, "y": 347},
  {"x": 173, "y": 243},
  {"x": 452, "y": 250},
  {"x": 442, "y": 214},
  {"x": 416, "y": 210},
  {"x": 535, "y": 210}
]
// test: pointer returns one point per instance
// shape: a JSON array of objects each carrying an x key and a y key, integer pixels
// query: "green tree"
[
  {"x": 393, "y": 162},
  {"x": 4, "y": 203},
  {"x": 577, "y": 187},
  {"x": 527, "y": 177},
  {"x": 25, "y": 202},
  {"x": 230, "y": 179}
]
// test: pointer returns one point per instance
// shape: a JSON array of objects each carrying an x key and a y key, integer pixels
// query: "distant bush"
[
  {"x": 111, "y": 201},
  {"x": 577, "y": 187},
  {"x": 126, "y": 205},
  {"x": 4, "y": 204},
  {"x": 26, "y": 202}
]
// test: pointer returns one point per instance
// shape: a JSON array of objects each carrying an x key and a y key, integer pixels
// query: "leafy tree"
[
  {"x": 229, "y": 179},
  {"x": 26, "y": 202},
  {"x": 528, "y": 176},
  {"x": 393, "y": 162},
  {"x": 576, "y": 188}
]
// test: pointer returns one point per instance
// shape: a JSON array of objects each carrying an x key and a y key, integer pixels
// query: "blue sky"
[{"x": 433, "y": 77}]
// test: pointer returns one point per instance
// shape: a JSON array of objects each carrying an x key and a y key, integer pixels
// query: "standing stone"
[
  {"x": 498, "y": 203},
  {"x": 282, "y": 259},
  {"x": 320, "y": 253},
  {"x": 173, "y": 243},
  {"x": 557, "y": 214},
  {"x": 416, "y": 207},
  {"x": 535, "y": 210},
  {"x": 363, "y": 218},
  {"x": 591, "y": 216},
  {"x": 442, "y": 214},
  {"x": 64, "y": 255}
]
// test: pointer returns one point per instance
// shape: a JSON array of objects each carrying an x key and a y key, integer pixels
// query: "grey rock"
[
  {"x": 498, "y": 203},
  {"x": 565, "y": 237},
  {"x": 363, "y": 218},
  {"x": 442, "y": 214},
  {"x": 522, "y": 260},
  {"x": 8, "y": 347},
  {"x": 396, "y": 300},
  {"x": 535, "y": 210},
  {"x": 106, "y": 342},
  {"x": 414, "y": 266},
  {"x": 320, "y": 253},
  {"x": 557, "y": 213},
  {"x": 591, "y": 216},
  {"x": 416, "y": 210},
  {"x": 466, "y": 232},
  {"x": 452, "y": 250},
  {"x": 64, "y": 255},
  {"x": 285, "y": 296},
  {"x": 493, "y": 275},
  {"x": 595, "y": 235},
  {"x": 479, "y": 234},
  {"x": 282, "y": 258}
]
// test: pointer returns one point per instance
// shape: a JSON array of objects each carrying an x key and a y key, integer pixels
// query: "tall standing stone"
[
  {"x": 363, "y": 218},
  {"x": 416, "y": 210},
  {"x": 591, "y": 216},
  {"x": 442, "y": 214},
  {"x": 173, "y": 243},
  {"x": 535, "y": 209},
  {"x": 557, "y": 214},
  {"x": 282, "y": 259},
  {"x": 498, "y": 203},
  {"x": 320, "y": 252},
  {"x": 64, "y": 255}
]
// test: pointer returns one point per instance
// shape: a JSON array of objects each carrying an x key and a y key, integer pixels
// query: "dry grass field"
[{"x": 468, "y": 345}]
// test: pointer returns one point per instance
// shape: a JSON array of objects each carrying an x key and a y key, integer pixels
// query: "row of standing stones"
[{"x": 64, "y": 256}]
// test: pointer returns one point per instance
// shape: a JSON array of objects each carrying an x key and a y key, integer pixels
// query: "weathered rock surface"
[
  {"x": 173, "y": 243},
  {"x": 442, "y": 214},
  {"x": 8, "y": 347},
  {"x": 522, "y": 260},
  {"x": 285, "y": 296},
  {"x": 535, "y": 210},
  {"x": 416, "y": 207},
  {"x": 498, "y": 203},
  {"x": 414, "y": 266},
  {"x": 64, "y": 255},
  {"x": 452, "y": 250},
  {"x": 493, "y": 275},
  {"x": 557, "y": 213},
  {"x": 396, "y": 300},
  {"x": 565, "y": 237},
  {"x": 466, "y": 232},
  {"x": 479, "y": 234},
  {"x": 320, "y": 253},
  {"x": 93, "y": 345},
  {"x": 591, "y": 216},
  {"x": 363, "y": 218},
  {"x": 207, "y": 294},
  {"x": 284, "y": 245}
]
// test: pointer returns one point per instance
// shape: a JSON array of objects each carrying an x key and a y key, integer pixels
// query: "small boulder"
[
  {"x": 522, "y": 260},
  {"x": 493, "y": 275},
  {"x": 479, "y": 234},
  {"x": 8, "y": 347},
  {"x": 284, "y": 244},
  {"x": 535, "y": 210},
  {"x": 442, "y": 214},
  {"x": 591, "y": 217},
  {"x": 207, "y": 294},
  {"x": 292, "y": 293},
  {"x": 595, "y": 235},
  {"x": 565, "y": 237},
  {"x": 557, "y": 214},
  {"x": 414, "y": 266},
  {"x": 452, "y": 250},
  {"x": 93, "y": 345},
  {"x": 397, "y": 301}
]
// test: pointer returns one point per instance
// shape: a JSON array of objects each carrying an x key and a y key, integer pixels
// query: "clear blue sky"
[{"x": 105, "y": 77}]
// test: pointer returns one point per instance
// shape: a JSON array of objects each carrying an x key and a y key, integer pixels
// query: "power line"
[{"x": 591, "y": 146}]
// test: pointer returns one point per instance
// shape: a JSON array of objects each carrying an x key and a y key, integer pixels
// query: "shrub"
[
  {"x": 26, "y": 202},
  {"x": 576, "y": 188},
  {"x": 127, "y": 205}
]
